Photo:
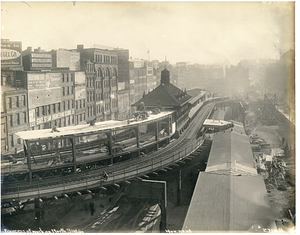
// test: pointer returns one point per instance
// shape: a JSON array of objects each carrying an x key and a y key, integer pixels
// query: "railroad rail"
[{"x": 117, "y": 172}]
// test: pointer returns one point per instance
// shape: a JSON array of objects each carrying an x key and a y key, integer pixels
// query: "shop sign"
[{"x": 11, "y": 54}]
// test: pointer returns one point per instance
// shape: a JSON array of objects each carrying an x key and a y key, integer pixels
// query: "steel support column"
[
  {"x": 179, "y": 187},
  {"x": 73, "y": 153},
  {"x": 29, "y": 160},
  {"x": 156, "y": 134},
  {"x": 110, "y": 146},
  {"x": 137, "y": 131}
]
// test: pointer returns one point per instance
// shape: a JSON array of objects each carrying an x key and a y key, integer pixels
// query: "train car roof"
[
  {"x": 228, "y": 203},
  {"x": 231, "y": 153},
  {"x": 214, "y": 122},
  {"x": 86, "y": 128},
  {"x": 238, "y": 127}
]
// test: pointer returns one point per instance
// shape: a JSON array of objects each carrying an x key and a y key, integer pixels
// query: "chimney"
[
  {"x": 80, "y": 47},
  {"x": 165, "y": 77}
]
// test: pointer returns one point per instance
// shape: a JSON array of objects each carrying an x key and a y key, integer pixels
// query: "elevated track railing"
[{"x": 93, "y": 178}]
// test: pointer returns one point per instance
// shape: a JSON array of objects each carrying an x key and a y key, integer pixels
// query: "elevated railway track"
[{"x": 175, "y": 151}]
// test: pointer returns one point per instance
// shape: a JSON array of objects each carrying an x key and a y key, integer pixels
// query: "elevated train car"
[
  {"x": 77, "y": 148},
  {"x": 230, "y": 196}
]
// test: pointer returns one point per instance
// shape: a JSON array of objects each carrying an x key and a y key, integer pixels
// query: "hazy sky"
[{"x": 196, "y": 32}]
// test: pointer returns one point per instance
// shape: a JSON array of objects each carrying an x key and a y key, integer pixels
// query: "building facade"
[
  {"x": 14, "y": 115},
  {"x": 101, "y": 67}
]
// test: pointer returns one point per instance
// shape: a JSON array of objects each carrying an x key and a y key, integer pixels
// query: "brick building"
[{"x": 101, "y": 67}]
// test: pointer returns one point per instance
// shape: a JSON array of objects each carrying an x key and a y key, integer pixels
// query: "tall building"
[
  {"x": 237, "y": 77},
  {"x": 123, "y": 84},
  {"x": 14, "y": 114},
  {"x": 101, "y": 67}
]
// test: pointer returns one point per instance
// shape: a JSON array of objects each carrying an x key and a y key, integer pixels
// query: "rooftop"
[{"x": 86, "y": 128}]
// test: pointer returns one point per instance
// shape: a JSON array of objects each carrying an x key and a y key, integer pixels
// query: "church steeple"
[{"x": 165, "y": 77}]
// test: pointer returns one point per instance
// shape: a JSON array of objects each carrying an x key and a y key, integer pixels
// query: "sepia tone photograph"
[{"x": 148, "y": 117}]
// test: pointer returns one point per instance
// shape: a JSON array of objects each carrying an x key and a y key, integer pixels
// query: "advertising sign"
[
  {"x": 68, "y": 59},
  {"x": 121, "y": 86},
  {"x": 11, "y": 54},
  {"x": 74, "y": 61},
  {"x": 43, "y": 80},
  {"x": 43, "y": 97},
  {"x": 80, "y": 92},
  {"x": 79, "y": 78},
  {"x": 53, "y": 80}
]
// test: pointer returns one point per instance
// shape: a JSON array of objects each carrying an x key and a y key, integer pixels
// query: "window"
[
  {"x": 10, "y": 120},
  {"x": 58, "y": 107},
  {"x": 76, "y": 104},
  {"x": 83, "y": 103},
  {"x": 68, "y": 102},
  {"x": 88, "y": 96},
  {"x": 24, "y": 100},
  {"x": 80, "y": 104},
  {"x": 64, "y": 105},
  {"x": 90, "y": 82},
  {"x": 76, "y": 119},
  {"x": 69, "y": 120},
  {"x": 25, "y": 117},
  {"x": 68, "y": 90},
  {"x": 9, "y": 102},
  {"x": 88, "y": 111},
  {"x": 72, "y": 77},
  {"x": 48, "y": 109},
  {"x": 11, "y": 141},
  {"x": 37, "y": 111},
  {"x": 72, "y": 90},
  {"x": 63, "y": 91},
  {"x": 81, "y": 117},
  {"x": 18, "y": 118},
  {"x": 72, "y": 119},
  {"x": 63, "y": 78},
  {"x": 43, "y": 110},
  {"x": 72, "y": 104},
  {"x": 19, "y": 140},
  {"x": 17, "y": 101},
  {"x": 67, "y": 77}
]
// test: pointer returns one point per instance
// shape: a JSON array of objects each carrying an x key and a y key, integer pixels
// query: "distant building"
[
  {"x": 237, "y": 77},
  {"x": 37, "y": 60},
  {"x": 123, "y": 84},
  {"x": 14, "y": 114},
  {"x": 166, "y": 96},
  {"x": 101, "y": 67}
]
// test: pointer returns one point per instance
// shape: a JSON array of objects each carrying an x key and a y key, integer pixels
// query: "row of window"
[
  {"x": 80, "y": 104},
  {"x": 16, "y": 101},
  {"x": 67, "y": 90},
  {"x": 105, "y": 59},
  {"x": 90, "y": 67},
  {"x": 54, "y": 108},
  {"x": 66, "y": 77},
  {"x": 17, "y": 119},
  {"x": 80, "y": 118},
  {"x": 91, "y": 111}
]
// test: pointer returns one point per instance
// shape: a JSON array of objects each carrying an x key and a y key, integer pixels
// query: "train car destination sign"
[{"x": 11, "y": 53}]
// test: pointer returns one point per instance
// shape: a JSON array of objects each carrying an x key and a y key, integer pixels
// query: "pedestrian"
[
  {"x": 104, "y": 176},
  {"x": 92, "y": 208}
]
